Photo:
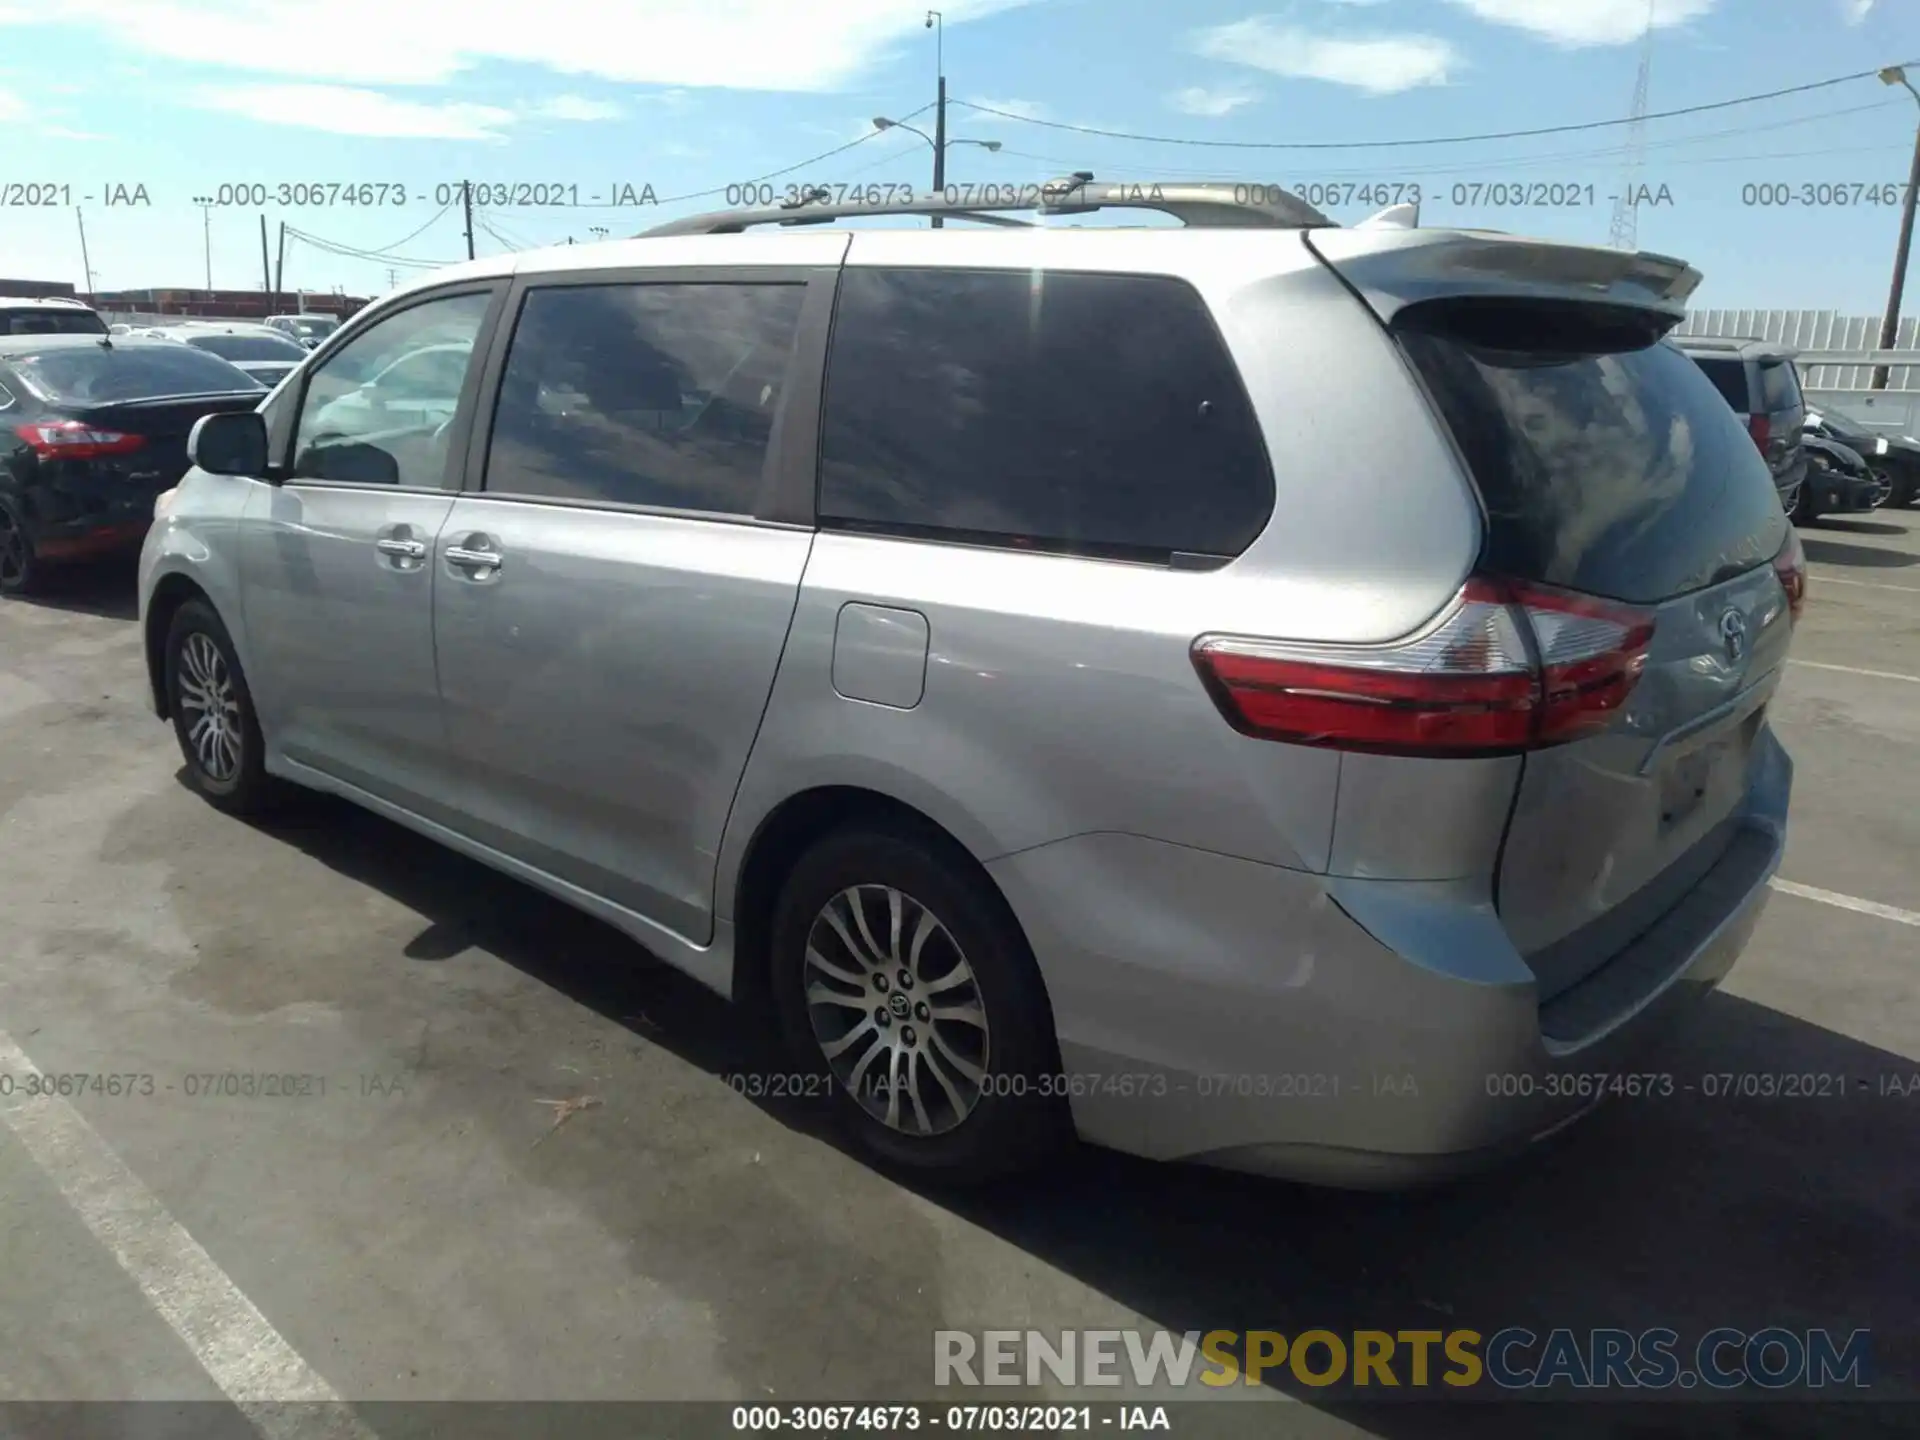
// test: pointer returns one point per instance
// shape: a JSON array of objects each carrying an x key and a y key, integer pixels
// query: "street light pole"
[
  {"x": 1890, "y": 323},
  {"x": 205, "y": 202},
  {"x": 938, "y": 23}
]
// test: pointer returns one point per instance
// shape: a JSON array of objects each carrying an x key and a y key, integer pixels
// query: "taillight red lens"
[
  {"x": 1791, "y": 566},
  {"x": 1761, "y": 429},
  {"x": 73, "y": 440},
  {"x": 1470, "y": 684}
]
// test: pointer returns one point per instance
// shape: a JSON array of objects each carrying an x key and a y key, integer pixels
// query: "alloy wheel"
[
  {"x": 896, "y": 1010},
  {"x": 211, "y": 707}
]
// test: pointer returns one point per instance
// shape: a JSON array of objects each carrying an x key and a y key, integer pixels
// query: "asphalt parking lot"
[{"x": 423, "y": 1230}]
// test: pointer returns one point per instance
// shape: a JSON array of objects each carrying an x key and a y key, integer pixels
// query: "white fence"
[{"x": 1813, "y": 332}]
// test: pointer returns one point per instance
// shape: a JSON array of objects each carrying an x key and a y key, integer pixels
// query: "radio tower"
[{"x": 1626, "y": 212}]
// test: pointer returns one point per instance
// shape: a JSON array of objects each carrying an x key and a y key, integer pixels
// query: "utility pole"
[
  {"x": 938, "y": 24},
  {"x": 393, "y": 278},
  {"x": 266, "y": 270},
  {"x": 466, "y": 204},
  {"x": 280, "y": 267},
  {"x": 1626, "y": 205},
  {"x": 86, "y": 265},
  {"x": 205, "y": 202},
  {"x": 1890, "y": 323}
]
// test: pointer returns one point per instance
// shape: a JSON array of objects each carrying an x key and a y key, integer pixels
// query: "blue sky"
[{"x": 185, "y": 97}]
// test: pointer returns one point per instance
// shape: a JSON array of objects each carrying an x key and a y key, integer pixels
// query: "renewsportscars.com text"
[{"x": 1514, "y": 1358}]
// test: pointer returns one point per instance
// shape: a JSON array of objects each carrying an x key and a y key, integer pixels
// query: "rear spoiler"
[{"x": 1393, "y": 268}]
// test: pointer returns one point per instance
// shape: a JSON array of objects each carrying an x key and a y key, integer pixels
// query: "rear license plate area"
[{"x": 1691, "y": 777}]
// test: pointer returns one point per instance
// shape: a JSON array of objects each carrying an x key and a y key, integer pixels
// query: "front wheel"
[
  {"x": 212, "y": 711},
  {"x": 906, "y": 987}
]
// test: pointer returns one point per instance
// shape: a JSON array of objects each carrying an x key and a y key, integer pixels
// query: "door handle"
[
  {"x": 405, "y": 549},
  {"x": 476, "y": 559}
]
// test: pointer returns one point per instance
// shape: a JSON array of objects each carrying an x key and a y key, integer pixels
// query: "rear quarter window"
[
  {"x": 1606, "y": 461},
  {"x": 1729, "y": 377},
  {"x": 1075, "y": 413}
]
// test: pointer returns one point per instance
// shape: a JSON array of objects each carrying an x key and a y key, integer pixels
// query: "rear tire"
[
  {"x": 213, "y": 715},
  {"x": 20, "y": 569},
  {"x": 938, "y": 1055}
]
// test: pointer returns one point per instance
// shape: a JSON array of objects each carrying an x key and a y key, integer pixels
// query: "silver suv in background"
[
  {"x": 1288, "y": 697},
  {"x": 49, "y": 315},
  {"x": 1759, "y": 380}
]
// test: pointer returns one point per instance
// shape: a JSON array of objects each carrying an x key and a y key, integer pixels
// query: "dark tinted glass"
[
  {"x": 1608, "y": 465},
  {"x": 356, "y": 426},
  {"x": 249, "y": 347},
  {"x": 51, "y": 322},
  {"x": 1097, "y": 414},
  {"x": 661, "y": 395},
  {"x": 95, "y": 374},
  {"x": 1779, "y": 386},
  {"x": 1729, "y": 377}
]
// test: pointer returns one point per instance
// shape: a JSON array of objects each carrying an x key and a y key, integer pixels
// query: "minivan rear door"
[{"x": 1608, "y": 465}]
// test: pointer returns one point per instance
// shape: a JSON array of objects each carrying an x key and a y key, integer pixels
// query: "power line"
[
  {"x": 1424, "y": 139},
  {"x": 1552, "y": 157},
  {"x": 789, "y": 169}
]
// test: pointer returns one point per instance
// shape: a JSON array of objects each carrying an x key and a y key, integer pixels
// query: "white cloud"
[
  {"x": 575, "y": 107},
  {"x": 1575, "y": 23},
  {"x": 1379, "y": 64},
  {"x": 769, "y": 45},
  {"x": 346, "y": 111},
  {"x": 1854, "y": 11},
  {"x": 12, "y": 107},
  {"x": 1211, "y": 101}
]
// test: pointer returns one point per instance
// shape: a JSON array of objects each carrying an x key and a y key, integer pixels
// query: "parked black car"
[
  {"x": 1759, "y": 381},
  {"x": 1838, "y": 482},
  {"x": 92, "y": 429},
  {"x": 1894, "y": 459}
]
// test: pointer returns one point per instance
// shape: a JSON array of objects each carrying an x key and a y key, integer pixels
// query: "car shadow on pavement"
[
  {"x": 107, "y": 588},
  {"x": 1848, "y": 525},
  {"x": 1823, "y": 551},
  {"x": 1688, "y": 1211}
]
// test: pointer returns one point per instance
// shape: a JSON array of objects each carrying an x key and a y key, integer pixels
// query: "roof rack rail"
[{"x": 1210, "y": 204}]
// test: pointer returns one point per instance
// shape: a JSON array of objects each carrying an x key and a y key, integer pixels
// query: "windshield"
[
  {"x": 96, "y": 374},
  {"x": 249, "y": 347},
  {"x": 51, "y": 321}
]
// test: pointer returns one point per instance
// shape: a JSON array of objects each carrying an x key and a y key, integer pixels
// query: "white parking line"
[
  {"x": 1848, "y": 902},
  {"x": 1854, "y": 670},
  {"x": 265, "y": 1377},
  {"x": 1826, "y": 579}
]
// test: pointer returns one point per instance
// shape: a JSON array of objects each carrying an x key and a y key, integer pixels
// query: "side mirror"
[{"x": 229, "y": 444}]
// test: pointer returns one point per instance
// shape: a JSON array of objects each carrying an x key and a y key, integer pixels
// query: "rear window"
[
  {"x": 249, "y": 347},
  {"x": 1085, "y": 414},
  {"x": 95, "y": 373},
  {"x": 51, "y": 321},
  {"x": 315, "y": 329},
  {"x": 1729, "y": 377},
  {"x": 1779, "y": 386},
  {"x": 1606, "y": 461}
]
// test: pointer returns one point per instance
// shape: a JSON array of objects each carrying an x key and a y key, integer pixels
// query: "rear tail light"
[
  {"x": 73, "y": 440},
  {"x": 1761, "y": 429},
  {"x": 1791, "y": 566},
  {"x": 1508, "y": 667}
]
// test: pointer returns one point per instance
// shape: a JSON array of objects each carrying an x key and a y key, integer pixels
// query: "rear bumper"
[
  {"x": 73, "y": 519},
  {"x": 1352, "y": 1032}
]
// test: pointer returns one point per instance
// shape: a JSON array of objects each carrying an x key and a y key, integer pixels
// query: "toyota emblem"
[{"x": 1733, "y": 634}]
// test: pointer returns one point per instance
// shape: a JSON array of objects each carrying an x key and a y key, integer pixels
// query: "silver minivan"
[{"x": 1254, "y": 691}]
